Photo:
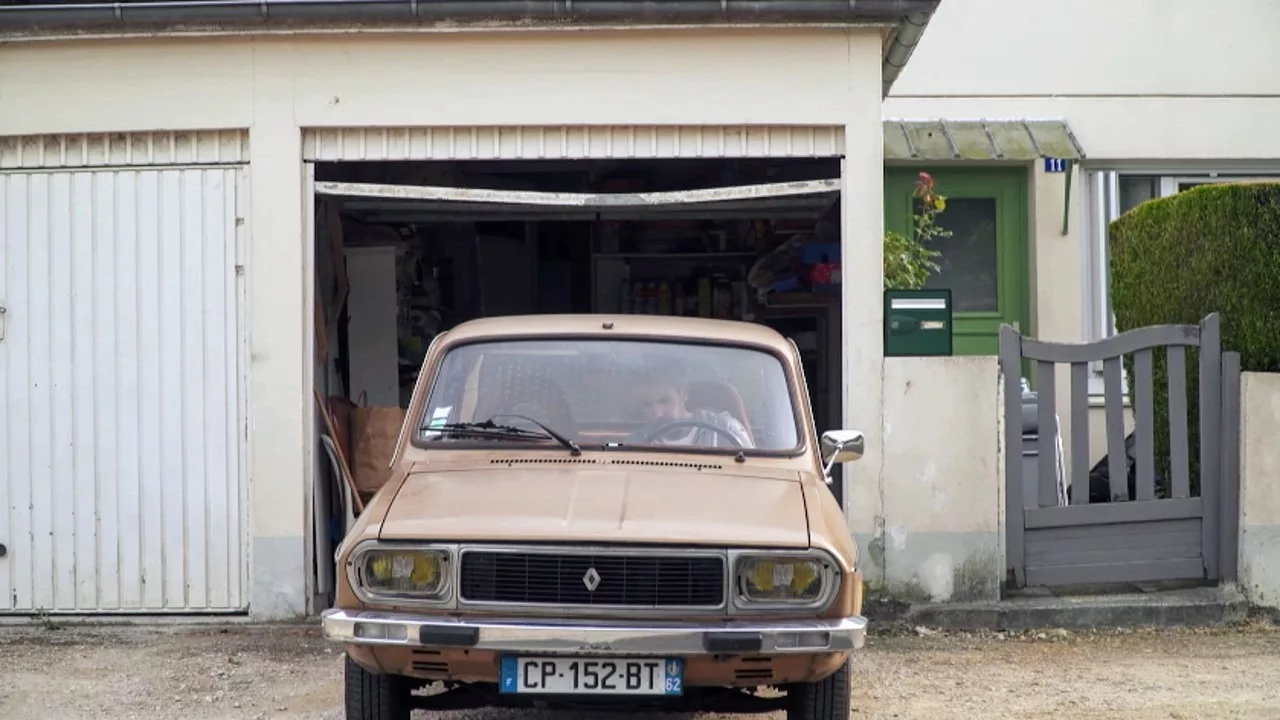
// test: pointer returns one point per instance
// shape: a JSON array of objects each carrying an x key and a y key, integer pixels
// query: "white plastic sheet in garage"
[{"x": 121, "y": 379}]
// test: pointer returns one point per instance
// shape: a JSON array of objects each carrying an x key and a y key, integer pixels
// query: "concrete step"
[{"x": 1187, "y": 607}]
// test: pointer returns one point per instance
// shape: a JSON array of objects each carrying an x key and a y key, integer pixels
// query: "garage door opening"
[{"x": 406, "y": 250}]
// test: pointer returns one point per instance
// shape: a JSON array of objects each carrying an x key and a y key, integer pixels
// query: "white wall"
[
  {"x": 541, "y": 78},
  {"x": 1137, "y": 79},
  {"x": 937, "y": 531},
  {"x": 275, "y": 86},
  {"x": 1259, "y": 493}
]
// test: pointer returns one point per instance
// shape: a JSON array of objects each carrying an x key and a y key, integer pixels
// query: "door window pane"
[
  {"x": 968, "y": 263},
  {"x": 1135, "y": 189}
]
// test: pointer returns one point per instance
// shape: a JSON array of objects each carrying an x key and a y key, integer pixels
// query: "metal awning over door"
[
  {"x": 418, "y": 204},
  {"x": 942, "y": 140}
]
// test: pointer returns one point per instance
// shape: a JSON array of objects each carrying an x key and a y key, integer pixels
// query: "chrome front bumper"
[{"x": 593, "y": 637}]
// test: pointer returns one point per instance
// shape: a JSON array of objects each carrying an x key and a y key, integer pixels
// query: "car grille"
[{"x": 620, "y": 580}]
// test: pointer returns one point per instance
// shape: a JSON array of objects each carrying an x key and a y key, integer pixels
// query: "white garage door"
[
  {"x": 572, "y": 143},
  {"x": 121, "y": 381}
]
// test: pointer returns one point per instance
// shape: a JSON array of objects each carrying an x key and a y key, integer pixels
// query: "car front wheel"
[
  {"x": 376, "y": 697},
  {"x": 827, "y": 699}
]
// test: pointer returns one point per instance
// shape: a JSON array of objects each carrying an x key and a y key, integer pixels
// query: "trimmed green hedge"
[{"x": 1213, "y": 248}]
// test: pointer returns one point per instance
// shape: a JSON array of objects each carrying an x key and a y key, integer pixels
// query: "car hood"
[{"x": 607, "y": 505}]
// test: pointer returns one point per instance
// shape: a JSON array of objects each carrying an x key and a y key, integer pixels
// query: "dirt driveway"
[{"x": 289, "y": 673}]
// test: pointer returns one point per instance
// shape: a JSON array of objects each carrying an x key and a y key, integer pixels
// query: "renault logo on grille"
[{"x": 591, "y": 580}]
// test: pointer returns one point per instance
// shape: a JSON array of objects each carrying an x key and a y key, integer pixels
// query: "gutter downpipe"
[
  {"x": 103, "y": 15},
  {"x": 901, "y": 47}
]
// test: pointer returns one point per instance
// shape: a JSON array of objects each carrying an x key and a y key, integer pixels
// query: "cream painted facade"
[
  {"x": 1166, "y": 89},
  {"x": 274, "y": 87},
  {"x": 1161, "y": 81}
]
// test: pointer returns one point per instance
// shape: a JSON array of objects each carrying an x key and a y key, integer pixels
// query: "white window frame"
[{"x": 1104, "y": 207}]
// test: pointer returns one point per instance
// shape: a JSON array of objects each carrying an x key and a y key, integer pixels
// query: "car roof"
[{"x": 606, "y": 325}]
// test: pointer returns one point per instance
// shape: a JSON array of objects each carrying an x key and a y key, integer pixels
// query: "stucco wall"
[
  {"x": 1260, "y": 488},
  {"x": 934, "y": 528},
  {"x": 409, "y": 80},
  {"x": 1153, "y": 79},
  {"x": 276, "y": 86}
]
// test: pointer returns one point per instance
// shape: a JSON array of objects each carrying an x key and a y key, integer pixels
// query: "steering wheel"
[{"x": 688, "y": 422}]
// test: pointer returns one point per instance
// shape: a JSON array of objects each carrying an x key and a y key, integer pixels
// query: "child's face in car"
[{"x": 662, "y": 403}]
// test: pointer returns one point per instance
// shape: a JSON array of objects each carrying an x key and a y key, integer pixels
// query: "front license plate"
[{"x": 583, "y": 676}]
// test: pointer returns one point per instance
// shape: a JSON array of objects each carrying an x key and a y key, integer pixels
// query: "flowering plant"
[{"x": 908, "y": 261}]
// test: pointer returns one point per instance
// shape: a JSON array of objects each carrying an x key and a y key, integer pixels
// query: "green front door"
[{"x": 984, "y": 262}]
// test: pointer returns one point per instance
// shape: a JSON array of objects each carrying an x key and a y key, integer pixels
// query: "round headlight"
[
  {"x": 781, "y": 579},
  {"x": 413, "y": 573}
]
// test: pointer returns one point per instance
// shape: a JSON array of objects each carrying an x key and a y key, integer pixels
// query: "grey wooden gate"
[{"x": 1186, "y": 527}]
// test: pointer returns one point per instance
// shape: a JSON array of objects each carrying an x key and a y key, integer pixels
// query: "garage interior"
[{"x": 405, "y": 250}]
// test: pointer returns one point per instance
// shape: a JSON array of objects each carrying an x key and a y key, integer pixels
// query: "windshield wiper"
[
  {"x": 484, "y": 428},
  {"x": 568, "y": 443},
  {"x": 489, "y": 428}
]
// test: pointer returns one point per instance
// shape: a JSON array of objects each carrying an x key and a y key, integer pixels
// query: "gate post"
[
  {"x": 1229, "y": 498},
  {"x": 1210, "y": 440},
  {"x": 1011, "y": 369}
]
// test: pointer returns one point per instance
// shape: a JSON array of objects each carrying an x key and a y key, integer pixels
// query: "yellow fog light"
[
  {"x": 767, "y": 579},
  {"x": 411, "y": 573}
]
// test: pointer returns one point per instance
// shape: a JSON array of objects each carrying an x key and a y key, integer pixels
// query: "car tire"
[
  {"x": 371, "y": 696},
  {"x": 827, "y": 699}
]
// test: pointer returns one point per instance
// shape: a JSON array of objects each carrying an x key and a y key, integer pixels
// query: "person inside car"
[{"x": 663, "y": 403}]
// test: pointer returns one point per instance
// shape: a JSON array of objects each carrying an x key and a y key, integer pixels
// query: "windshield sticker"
[{"x": 440, "y": 417}]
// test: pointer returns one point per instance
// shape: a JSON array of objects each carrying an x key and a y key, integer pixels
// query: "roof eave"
[
  {"x": 184, "y": 16},
  {"x": 901, "y": 45}
]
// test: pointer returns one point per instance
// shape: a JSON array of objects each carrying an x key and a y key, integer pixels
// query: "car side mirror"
[{"x": 840, "y": 446}]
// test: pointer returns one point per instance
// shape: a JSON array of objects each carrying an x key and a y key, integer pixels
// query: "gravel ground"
[{"x": 290, "y": 673}]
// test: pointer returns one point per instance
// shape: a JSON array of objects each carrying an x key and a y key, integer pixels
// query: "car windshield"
[{"x": 609, "y": 394}]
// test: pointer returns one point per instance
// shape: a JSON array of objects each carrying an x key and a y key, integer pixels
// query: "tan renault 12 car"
[{"x": 604, "y": 512}]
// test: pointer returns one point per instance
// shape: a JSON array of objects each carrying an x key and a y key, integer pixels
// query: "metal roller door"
[
  {"x": 572, "y": 143},
  {"x": 122, "y": 368}
]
